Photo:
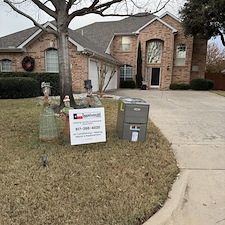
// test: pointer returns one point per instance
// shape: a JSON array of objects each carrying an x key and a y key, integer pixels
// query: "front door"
[{"x": 155, "y": 77}]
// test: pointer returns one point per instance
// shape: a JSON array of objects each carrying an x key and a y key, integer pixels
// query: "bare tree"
[
  {"x": 63, "y": 11},
  {"x": 215, "y": 59},
  {"x": 103, "y": 70}
]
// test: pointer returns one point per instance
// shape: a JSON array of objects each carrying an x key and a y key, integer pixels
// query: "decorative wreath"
[{"x": 28, "y": 63}]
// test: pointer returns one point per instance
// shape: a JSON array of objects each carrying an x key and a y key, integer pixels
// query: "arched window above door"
[{"x": 154, "y": 51}]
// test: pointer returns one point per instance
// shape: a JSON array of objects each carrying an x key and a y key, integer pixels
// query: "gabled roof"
[
  {"x": 161, "y": 21},
  {"x": 86, "y": 46},
  {"x": 101, "y": 33},
  {"x": 171, "y": 15},
  {"x": 17, "y": 41}
]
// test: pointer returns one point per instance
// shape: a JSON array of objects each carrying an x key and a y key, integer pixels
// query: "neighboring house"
[{"x": 168, "y": 56}]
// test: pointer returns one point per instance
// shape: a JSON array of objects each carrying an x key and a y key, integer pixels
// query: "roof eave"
[
  {"x": 171, "y": 15},
  {"x": 161, "y": 21},
  {"x": 80, "y": 48},
  {"x": 124, "y": 34},
  {"x": 97, "y": 55},
  {"x": 12, "y": 50},
  {"x": 36, "y": 33}
]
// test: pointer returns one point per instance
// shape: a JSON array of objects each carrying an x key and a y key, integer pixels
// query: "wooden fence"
[{"x": 218, "y": 78}]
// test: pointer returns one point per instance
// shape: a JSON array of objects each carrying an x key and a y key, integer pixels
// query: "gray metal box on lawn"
[{"x": 132, "y": 119}]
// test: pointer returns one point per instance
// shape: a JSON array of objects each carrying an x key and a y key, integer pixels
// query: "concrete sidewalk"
[{"x": 194, "y": 122}]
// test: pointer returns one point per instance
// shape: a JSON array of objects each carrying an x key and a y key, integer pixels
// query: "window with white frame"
[
  {"x": 126, "y": 72},
  {"x": 180, "y": 55},
  {"x": 6, "y": 65},
  {"x": 126, "y": 41},
  {"x": 52, "y": 64},
  {"x": 154, "y": 51}
]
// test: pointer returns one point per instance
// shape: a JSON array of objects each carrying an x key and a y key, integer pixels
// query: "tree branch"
[
  {"x": 100, "y": 9},
  {"x": 69, "y": 4},
  {"x": 30, "y": 18},
  {"x": 221, "y": 37},
  {"x": 93, "y": 9},
  {"x": 45, "y": 8}
]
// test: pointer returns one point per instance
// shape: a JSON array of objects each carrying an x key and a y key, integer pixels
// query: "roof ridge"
[{"x": 92, "y": 24}]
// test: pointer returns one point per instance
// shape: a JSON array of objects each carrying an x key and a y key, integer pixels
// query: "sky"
[{"x": 11, "y": 22}]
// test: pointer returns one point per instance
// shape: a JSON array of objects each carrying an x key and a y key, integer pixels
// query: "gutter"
[
  {"x": 125, "y": 34},
  {"x": 12, "y": 49},
  {"x": 97, "y": 55}
]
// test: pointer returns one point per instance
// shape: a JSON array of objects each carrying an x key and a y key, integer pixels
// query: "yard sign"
[{"x": 87, "y": 126}]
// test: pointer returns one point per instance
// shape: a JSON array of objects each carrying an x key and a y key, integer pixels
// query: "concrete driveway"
[{"x": 194, "y": 122}]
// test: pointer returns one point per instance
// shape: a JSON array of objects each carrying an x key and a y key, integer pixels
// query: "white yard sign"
[{"x": 87, "y": 126}]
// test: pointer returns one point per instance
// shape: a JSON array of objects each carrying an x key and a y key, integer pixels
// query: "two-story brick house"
[{"x": 167, "y": 55}]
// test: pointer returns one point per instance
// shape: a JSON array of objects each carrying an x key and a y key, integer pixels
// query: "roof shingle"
[
  {"x": 15, "y": 39},
  {"x": 101, "y": 33}
]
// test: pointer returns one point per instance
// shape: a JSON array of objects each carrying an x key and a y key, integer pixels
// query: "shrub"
[
  {"x": 18, "y": 87},
  {"x": 53, "y": 78},
  {"x": 211, "y": 84},
  {"x": 139, "y": 80},
  {"x": 127, "y": 84},
  {"x": 179, "y": 86},
  {"x": 201, "y": 84}
]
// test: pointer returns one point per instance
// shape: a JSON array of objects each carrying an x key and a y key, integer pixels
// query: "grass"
[
  {"x": 112, "y": 183},
  {"x": 222, "y": 93}
]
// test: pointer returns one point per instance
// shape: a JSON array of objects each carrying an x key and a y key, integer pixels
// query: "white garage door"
[
  {"x": 113, "y": 81},
  {"x": 93, "y": 76}
]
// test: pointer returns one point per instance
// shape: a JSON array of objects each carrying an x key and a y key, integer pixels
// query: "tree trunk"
[
  {"x": 64, "y": 67},
  {"x": 110, "y": 78}
]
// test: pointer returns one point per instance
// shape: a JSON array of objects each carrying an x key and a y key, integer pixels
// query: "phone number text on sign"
[{"x": 87, "y": 126}]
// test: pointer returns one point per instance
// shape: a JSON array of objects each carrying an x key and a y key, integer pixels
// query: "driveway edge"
[{"x": 174, "y": 202}]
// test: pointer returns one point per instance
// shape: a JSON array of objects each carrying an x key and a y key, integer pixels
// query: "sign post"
[{"x": 87, "y": 126}]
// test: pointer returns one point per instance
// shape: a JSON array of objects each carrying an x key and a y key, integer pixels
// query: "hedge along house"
[{"x": 167, "y": 55}]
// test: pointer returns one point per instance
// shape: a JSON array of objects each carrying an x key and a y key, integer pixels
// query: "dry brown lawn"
[
  {"x": 117, "y": 182},
  {"x": 222, "y": 93}
]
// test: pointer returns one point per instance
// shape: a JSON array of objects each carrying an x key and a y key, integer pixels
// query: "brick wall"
[
  {"x": 36, "y": 49},
  {"x": 170, "y": 73},
  {"x": 128, "y": 57},
  {"x": 155, "y": 30},
  {"x": 199, "y": 58},
  {"x": 196, "y": 54},
  {"x": 79, "y": 69},
  {"x": 158, "y": 31}
]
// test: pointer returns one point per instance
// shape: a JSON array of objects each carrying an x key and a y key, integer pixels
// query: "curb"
[{"x": 174, "y": 202}]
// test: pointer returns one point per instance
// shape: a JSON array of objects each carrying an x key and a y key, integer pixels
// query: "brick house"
[{"x": 167, "y": 55}]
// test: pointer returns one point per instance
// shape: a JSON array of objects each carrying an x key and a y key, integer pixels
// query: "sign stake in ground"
[{"x": 87, "y": 126}]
